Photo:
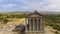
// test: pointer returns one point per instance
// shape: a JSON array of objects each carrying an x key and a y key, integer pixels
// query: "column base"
[{"x": 41, "y": 32}]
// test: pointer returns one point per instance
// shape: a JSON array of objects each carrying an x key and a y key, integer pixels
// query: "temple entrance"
[{"x": 34, "y": 25}]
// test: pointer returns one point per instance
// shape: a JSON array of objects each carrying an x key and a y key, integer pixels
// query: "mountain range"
[{"x": 27, "y": 12}]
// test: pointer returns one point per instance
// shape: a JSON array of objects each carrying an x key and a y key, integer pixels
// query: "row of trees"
[
  {"x": 53, "y": 18},
  {"x": 12, "y": 15}
]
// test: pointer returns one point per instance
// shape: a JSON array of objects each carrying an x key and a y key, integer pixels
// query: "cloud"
[
  {"x": 33, "y": 5},
  {"x": 41, "y": 5},
  {"x": 44, "y": 5},
  {"x": 54, "y": 5},
  {"x": 8, "y": 5},
  {"x": 1, "y": 1}
]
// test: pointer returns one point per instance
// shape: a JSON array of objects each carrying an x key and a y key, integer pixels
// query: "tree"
[{"x": 5, "y": 21}]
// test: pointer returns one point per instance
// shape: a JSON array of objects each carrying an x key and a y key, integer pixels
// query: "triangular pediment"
[{"x": 35, "y": 14}]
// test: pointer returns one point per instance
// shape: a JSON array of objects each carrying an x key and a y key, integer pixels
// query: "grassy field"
[{"x": 14, "y": 21}]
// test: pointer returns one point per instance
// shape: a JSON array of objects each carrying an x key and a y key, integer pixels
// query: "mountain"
[{"x": 27, "y": 12}]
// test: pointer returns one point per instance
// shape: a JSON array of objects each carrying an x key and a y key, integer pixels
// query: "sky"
[{"x": 30, "y": 5}]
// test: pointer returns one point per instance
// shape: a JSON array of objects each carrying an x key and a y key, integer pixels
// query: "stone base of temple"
[{"x": 34, "y": 33}]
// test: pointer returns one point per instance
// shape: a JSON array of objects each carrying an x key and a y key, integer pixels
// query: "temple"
[{"x": 34, "y": 23}]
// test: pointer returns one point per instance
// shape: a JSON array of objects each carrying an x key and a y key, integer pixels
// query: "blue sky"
[{"x": 30, "y": 5}]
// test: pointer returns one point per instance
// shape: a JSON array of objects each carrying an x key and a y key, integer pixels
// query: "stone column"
[
  {"x": 43, "y": 23},
  {"x": 26, "y": 21},
  {"x": 33, "y": 24},
  {"x": 30, "y": 24}
]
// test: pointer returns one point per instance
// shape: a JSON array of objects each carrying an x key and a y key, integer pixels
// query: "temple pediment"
[{"x": 35, "y": 14}]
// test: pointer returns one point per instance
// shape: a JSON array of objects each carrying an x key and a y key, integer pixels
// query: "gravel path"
[{"x": 49, "y": 30}]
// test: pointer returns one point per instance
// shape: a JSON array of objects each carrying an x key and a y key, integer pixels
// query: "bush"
[
  {"x": 57, "y": 27},
  {"x": 5, "y": 21}
]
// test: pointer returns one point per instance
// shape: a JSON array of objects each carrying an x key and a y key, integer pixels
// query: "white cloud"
[
  {"x": 53, "y": 5},
  {"x": 48, "y": 5},
  {"x": 8, "y": 5},
  {"x": 1, "y": 1},
  {"x": 33, "y": 5}
]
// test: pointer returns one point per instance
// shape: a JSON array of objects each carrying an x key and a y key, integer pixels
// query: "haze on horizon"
[{"x": 30, "y": 5}]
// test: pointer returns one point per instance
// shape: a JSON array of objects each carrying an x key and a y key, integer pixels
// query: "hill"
[{"x": 27, "y": 12}]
